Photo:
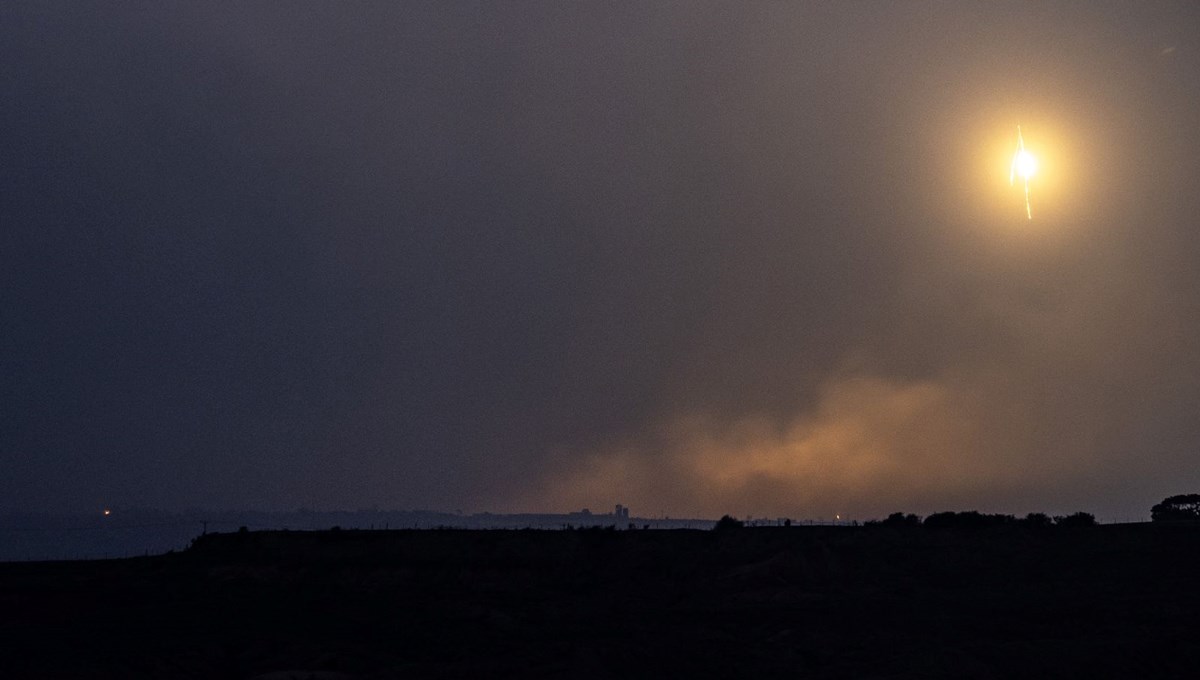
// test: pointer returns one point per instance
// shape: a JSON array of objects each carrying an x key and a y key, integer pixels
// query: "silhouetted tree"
[
  {"x": 1079, "y": 519},
  {"x": 971, "y": 519},
  {"x": 1182, "y": 508},
  {"x": 1037, "y": 520},
  {"x": 726, "y": 523},
  {"x": 941, "y": 520},
  {"x": 899, "y": 519}
]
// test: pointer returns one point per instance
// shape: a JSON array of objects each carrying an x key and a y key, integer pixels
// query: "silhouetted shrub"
[
  {"x": 1037, "y": 520},
  {"x": 1182, "y": 508},
  {"x": 1079, "y": 519},
  {"x": 726, "y": 523},
  {"x": 970, "y": 519},
  {"x": 941, "y": 520},
  {"x": 899, "y": 519}
]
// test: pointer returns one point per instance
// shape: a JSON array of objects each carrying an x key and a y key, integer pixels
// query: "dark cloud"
[{"x": 694, "y": 258}]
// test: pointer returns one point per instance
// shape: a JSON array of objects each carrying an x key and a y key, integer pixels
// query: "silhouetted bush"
[
  {"x": 1079, "y": 519},
  {"x": 899, "y": 519},
  {"x": 896, "y": 519},
  {"x": 940, "y": 520},
  {"x": 970, "y": 519},
  {"x": 1182, "y": 508},
  {"x": 726, "y": 523},
  {"x": 1036, "y": 520}
]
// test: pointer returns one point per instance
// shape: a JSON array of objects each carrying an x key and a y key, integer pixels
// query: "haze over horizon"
[{"x": 697, "y": 258}]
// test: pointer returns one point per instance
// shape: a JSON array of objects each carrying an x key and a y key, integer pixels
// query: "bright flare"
[{"x": 1025, "y": 165}]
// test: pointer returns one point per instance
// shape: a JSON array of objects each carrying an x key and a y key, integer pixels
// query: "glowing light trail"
[{"x": 1025, "y": 165}]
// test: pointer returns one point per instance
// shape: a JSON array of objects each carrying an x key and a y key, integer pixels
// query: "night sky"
[{"x": 696, "y": 258}]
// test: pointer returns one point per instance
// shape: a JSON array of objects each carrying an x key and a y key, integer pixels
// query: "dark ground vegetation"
[{"x": 814, "y": 602}]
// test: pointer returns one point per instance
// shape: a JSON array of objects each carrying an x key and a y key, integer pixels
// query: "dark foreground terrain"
[{"x": 819, "y": 602}]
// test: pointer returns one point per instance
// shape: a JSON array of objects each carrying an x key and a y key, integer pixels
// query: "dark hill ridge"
[{"x": 821, "y": 602}]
